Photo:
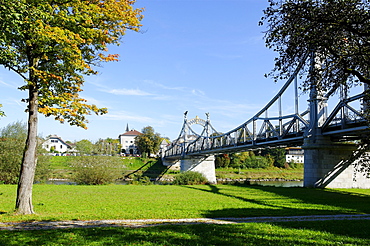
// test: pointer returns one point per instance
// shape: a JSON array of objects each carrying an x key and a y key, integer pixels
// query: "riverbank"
[{"x": 135, "y": 168}]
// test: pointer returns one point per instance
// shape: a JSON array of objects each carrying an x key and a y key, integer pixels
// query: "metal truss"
[{"x": 345, "y": 122}]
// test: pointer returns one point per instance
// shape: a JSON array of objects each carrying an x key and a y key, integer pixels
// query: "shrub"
[
  {"x": 189, "y": 178},
  {"x": 96, "y": 170},
  {"x": 140, "y": 180},
  {"x": 43, "y": 167},
  {"x": 295, "y": 165}
]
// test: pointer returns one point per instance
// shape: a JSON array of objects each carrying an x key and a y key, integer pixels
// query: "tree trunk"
[{"x": 28, "y": 168}]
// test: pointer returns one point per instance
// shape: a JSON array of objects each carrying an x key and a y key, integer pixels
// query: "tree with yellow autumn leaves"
[{"x": 52, "y": 45}]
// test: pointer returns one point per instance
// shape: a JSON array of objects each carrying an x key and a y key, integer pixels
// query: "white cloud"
[
  {"x": 2, "y": 83},
  {"x": 162, "y": 86},
  {"x": 128, "y": 92},
  {"x": 91, "y": 100},
  {"x": 127, "y": 116},
  {"x": 197, "y": 92}
]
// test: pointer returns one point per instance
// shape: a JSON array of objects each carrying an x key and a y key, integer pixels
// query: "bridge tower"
[
  {"x": 202, "y": 163},
  {"x": 327, "y": 163}
]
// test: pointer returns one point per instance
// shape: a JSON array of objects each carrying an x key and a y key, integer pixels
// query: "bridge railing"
[{"x": 350, "y": 114}]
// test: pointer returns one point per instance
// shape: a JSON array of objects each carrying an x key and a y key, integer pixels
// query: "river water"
[{"x": 278, "y": 183}]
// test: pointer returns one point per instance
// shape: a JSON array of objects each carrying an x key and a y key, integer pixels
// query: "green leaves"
[
  {"x": 52, "y": 45},
  {"x": 149, "y": 141},
  {"x": 338, "y": 30}
]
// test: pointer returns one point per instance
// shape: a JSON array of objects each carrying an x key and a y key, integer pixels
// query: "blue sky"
[{"x": 201, "y": 56}]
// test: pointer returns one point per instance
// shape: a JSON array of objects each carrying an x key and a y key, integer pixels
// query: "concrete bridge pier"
[
  {"x": 327, "y": 165},
  {"x": 201, "y": 164}
]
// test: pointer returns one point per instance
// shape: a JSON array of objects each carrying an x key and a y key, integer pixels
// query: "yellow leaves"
[
  {"x": 109, "y": 57},
  {"x": 68, "y": 39}
]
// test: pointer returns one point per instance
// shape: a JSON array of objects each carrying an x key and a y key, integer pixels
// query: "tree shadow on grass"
[
  {"x": 309, "y": 202},
  {"x": 352, "y": 202},
  {"x": 289, "y": 202},
  {"x": 193, "y": 234}
]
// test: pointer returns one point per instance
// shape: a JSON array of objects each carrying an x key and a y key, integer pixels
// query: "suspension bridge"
[{"x": 326, "y": 131}]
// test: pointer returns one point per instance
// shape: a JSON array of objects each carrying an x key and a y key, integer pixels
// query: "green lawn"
[
  {"x": 268, "y": 173},
  {"x": 72, "y": 202},
  {"x": 292, "y": 233},
  {"x": 68, "y": 202}
]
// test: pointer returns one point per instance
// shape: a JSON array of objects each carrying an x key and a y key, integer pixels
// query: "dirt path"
[{"x": 47, "y": 225}]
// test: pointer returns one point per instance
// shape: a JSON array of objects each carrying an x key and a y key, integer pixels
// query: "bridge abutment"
[
  {"x": 327, "y": 165},
  {"x": 201, "y": 164}
]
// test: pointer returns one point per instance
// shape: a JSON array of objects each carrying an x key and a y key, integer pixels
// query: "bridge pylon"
[
  {"x": 327, "y": 163},
  {"x": 202, "y": 163}
]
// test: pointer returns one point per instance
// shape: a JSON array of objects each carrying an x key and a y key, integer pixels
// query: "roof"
[
  {"x": 131, "y": 133},
  {"x": 57, "y": 137}
]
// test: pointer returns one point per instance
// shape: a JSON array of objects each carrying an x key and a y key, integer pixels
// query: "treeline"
[
  {"x": 274, "y": 157},
  {"x": 108, "y": 146},
  {"x": 148, "y": 142}
]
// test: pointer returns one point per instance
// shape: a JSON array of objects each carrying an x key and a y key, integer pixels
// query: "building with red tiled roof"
[{"x": 127, "y": 141}]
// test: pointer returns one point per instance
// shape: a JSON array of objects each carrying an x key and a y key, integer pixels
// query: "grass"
[
  {"x": 268, "y": 173},
  {"x": 69, "y": 202},
  {"x": 61, "y": 165},
  {"x": 292, "y": 233}
]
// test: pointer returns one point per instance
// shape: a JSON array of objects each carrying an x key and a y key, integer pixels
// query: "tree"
[
  {"x": 277, "y": 154},
  {"x": 338, "y": 31},
  {"x": 248, "y": 159},
  {"x": 85, "y": 147},
  {"x": 12, "y": 140},
  {"x": 52, "y": 45},
  {"x": 148, "y": 142},
  {"x": 107, "y": 146},
  {"x": 222, "y": 161}
]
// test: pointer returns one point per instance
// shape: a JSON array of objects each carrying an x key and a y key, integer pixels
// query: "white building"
[
  {"x": 127, "y": 141},
  {"x": 56, "y": 143},
  {"x": 294, "y": 154}
]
